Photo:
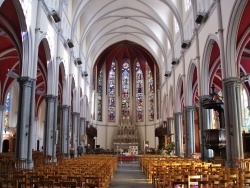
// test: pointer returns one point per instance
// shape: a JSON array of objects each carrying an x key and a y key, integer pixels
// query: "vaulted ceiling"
[{"x": 146, "y": 22}]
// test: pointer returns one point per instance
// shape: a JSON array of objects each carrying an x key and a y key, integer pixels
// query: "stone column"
[
  {"x": 170, "y": 123},
  {"x": 82, "y": 131},
  {"x": 190, "y": 136},
  {"x": 234, "y": 119},
  {"x": 204, "y": 123},
  {"x": 31, "y": 141},
  {"x": 35, "y": 135},
  {"x": 23, "y": 118},
  {"x": 55, "y": 128},
  {"x": 74, "y": 131},
  {"x": 49, "y": 125},
  {"x": 64, "y": 130},
  {"x": 2, "y": 109},
  {"x": 78, "y": 138},
  {"x": 178, "y": 134}
]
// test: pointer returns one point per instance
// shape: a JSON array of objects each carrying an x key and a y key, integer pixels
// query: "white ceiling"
[{"x": 146, "y": 22}]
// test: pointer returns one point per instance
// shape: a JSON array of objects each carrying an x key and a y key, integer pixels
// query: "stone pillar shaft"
[
  {"x": 2, "y": 109},
  {"x": 178, "y": 134},
  {"x": 24, "y": 117},
  {"x": 31, "y": 142},
  {"x": 74, "y": 131},
  {"x": 205, "y": 123},
  {"x": 64, "y": 130},
  {"x": 190, "y": 130},
  {"x": 234, "y": 121},
  {"x": 170, "y": 123},
  {"x": 55, "y": 129},
  {"x": 49, "y": 125},
  {"x": 82, "y": 131}
]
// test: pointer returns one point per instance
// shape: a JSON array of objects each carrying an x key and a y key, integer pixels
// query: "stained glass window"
[
  {"x": 245, "y": 111},
  {"x": 111, "y": 93},
  {"x": 125, "y": 90},
  {"x": 151, "y": 94},
  {"x": 139, "y": 92},
  {"x": 6, "y": 115},
  {"x": 99, "y": 95}
]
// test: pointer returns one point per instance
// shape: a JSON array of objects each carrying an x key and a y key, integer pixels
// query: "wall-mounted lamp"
[
  {"x": 59, "y": 58},
  {"x": 12, "y": 74},
  {"x": 85, "y": 73},
  {"x": 185, "y": 44},
  {"x": 39, "y": 29},
  {"x": 70, "y": 43},
  {"x": 201, "y": 17},
  {"x": 78, "y": 61},
  {"x": 167, "y": 74},
  {"x": 175, "y": 61},
  {"x": 55, "y": 15}
]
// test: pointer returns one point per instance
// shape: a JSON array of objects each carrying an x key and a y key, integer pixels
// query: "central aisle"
[{"x": 129, "y": 175}]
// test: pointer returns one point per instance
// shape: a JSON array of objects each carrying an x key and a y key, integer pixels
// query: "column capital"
[
  {"x": 50, "y": 97},
  {"x": 64, "y": 106},
  {"x": 25, "y": 79},
  {"x": 75, "y": 113},
  {"x": 170, "y": 118},
  {"x": 178, "y": 113},
  {"x": 189, "y": 108},
  {"x": 232, "y": 81}
]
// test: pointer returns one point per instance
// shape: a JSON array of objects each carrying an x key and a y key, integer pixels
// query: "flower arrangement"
[{"x": 170, "y": 147}]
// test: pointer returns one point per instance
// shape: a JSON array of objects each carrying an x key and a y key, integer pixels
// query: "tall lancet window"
[
  {"x": 151, "y": 95},
  {"x": 139, "y": 92},
  {"x": 99, "y": 95},
  {"x": 111, "y": 93},
  {"x": 125, "y": 90},
  {"x": 245, "y": 111},
  {"x": 7, "y": 110}
]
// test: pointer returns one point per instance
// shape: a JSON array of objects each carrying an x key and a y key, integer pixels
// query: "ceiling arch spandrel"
[{"x": 108, "y": 42}]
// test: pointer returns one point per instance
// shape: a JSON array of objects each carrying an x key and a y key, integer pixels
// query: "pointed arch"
[
  {"x": 61, "y": 84},
  {"x": 179, "y": 94},
  {"x": 84, "y": 106},
  {"x": 171, "y": 102},
  {"x": 73, "y": 94},
  {"x": 234, "y": 31},
  {"x": 164, "y": 108},
  {"x": 205, "y": 70},
  {"x": 42, "y": 77},
  {"x": 191, "y": 82}
]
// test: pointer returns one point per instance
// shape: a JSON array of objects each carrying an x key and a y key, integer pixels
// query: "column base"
[{"x": 30, "y": 164}]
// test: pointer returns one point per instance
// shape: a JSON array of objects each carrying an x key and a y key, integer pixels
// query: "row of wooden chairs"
[
  {"x": 84, "y": 171},
  {"x": 173, "y": 171}
]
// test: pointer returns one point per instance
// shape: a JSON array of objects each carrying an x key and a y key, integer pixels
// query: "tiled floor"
[{"x": 129, "y": 175}]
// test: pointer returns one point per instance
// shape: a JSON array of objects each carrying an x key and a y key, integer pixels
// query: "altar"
[{"x": 126, "y": 138}]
